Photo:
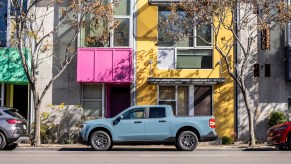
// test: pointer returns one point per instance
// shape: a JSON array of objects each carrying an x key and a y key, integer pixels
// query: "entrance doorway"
[
  {"x": 20, "y": 99},
  {"x": 118, "y": 99}
]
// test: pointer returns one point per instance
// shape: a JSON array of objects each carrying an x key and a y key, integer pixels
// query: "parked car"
[
  {"x": 12, "y": 128},
  {"x": 151, "y": 124},
  {"x": 280, "y": 136}
]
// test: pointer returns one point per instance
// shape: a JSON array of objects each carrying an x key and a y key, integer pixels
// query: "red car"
[{"x": 280, "y": 136}]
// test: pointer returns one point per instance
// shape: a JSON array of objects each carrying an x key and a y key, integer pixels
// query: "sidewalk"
[{"x": 201, "y": 147}]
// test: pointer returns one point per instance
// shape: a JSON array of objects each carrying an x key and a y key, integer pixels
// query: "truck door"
[
  {"x": 157, "y": 126},
  {"x": 131, "y": 126}
]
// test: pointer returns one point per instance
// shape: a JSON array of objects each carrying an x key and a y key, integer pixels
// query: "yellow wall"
[{"x": 146, "y": 50}]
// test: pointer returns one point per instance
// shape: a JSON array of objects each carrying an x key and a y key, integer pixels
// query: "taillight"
[
  {"x": 13, "y": 121},
  {"x": 212, "y": 123}
]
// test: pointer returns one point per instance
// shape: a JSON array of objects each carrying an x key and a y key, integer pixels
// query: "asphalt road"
[{"x": 142, "y": 156}]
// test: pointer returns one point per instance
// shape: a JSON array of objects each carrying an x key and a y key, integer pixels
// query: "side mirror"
[{"x": 117, "y": 120}]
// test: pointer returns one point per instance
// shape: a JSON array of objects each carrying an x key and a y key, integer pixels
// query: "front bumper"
[
  {"x": 81, "y": 140},
  {"x": 211, "y": 136}
]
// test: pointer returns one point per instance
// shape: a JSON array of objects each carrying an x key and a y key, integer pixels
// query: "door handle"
[
  {"x": 137, "y": 122},
  {"x": 162, "y": 120}
]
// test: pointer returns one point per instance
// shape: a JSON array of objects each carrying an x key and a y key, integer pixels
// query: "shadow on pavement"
[
  {"x": 261, "y": 149},
  {"x": 120, "y": 149}
]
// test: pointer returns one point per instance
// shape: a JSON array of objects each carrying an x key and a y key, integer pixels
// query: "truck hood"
[{"x": 101, "y": 121}]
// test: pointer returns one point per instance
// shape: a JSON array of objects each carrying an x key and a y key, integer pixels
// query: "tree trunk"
[
  {"x": 37, "y": 141},
  {"x": 252, "y": 139}
]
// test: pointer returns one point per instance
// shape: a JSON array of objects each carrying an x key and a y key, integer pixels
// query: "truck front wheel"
[
  {"x": 186, "y": 141},
  {"x": 100, "y": 141}
]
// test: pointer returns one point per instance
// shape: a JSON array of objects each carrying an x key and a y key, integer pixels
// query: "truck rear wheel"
[
  {"x": 187, "y": 141},
  {"x": 2, "y": 141},
  {"x": 100, "y": 141}
]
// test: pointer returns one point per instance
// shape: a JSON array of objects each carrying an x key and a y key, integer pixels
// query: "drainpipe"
[
  {"x": 237, "y": 51},
  {"x": 133, "y": 89}
]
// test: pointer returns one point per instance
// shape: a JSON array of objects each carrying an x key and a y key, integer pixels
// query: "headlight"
[
  {"x": 281, "y": 128},
  {"x": 82, "y": 127}
]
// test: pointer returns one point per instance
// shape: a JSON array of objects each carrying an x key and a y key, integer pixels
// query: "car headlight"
[
  {"x": 82, "y": 127},
  {"x": 281, "y": 128}
]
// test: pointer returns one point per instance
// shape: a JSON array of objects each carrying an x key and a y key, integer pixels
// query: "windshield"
[{"x": 13, "y": 113}]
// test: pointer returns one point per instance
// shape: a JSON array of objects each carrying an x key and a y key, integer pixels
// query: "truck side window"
[
  {"x": 137, "y": 113},
  {"x": 157, "y": 112}
]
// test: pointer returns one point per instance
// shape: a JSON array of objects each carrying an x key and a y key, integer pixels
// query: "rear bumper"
[
  {"x": 211, "y": 136},
  {"x": 18, "y": 138}
]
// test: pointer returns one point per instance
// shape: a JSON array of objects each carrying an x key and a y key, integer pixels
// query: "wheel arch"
[{"x": 188, "y": 128}]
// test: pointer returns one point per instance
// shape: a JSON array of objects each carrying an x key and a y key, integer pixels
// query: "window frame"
[
  {"x": 111, "y": 31},
  {"x": 191, "y": 98},
  {"x": 194, "y": 47},
  {"x": 134, "y": 109},
  {"x": 94, "y": 100}
]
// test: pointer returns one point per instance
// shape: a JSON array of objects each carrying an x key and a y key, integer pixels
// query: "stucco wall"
[{"x": 265, "y": 93}]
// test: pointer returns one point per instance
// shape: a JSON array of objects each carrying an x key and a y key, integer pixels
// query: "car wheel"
[
  {"x": 187, "y": 141},
  {"x": 100, "y": 141},
  {"x": 2, "y": 141},
  {"x": 10, "y": 146},
  {"x": 289, "y": 142},
  {"x": 282, "y": 148}
]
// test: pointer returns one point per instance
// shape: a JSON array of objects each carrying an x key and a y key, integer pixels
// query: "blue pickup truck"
[{"x": 149, "y": 124}]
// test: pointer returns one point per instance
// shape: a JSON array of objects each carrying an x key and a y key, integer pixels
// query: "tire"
[
  {"x": 100, "y": 141},
  {"x": 11, "y": 146},
  {"x": 2, "y": 141},
  {"x": 187, "y": 141},
  {"x": 282, "y": 148},
  {"x": 289, "y": 142}
]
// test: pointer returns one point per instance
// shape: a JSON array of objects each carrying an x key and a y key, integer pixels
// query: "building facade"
[
  {"x": 138, "y": 66},
  {"x": 267, "y": 80},
  {"x": 14, "y": 90}
]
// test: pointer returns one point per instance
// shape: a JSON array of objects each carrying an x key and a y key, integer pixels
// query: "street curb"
[{"x": 79, "y": 147}]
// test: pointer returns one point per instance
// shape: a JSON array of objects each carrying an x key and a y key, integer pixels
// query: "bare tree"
[
  {"x": 234, "y": 24},
  {"x": 30, "y": 33}
]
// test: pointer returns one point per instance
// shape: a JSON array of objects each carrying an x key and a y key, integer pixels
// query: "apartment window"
[
  {"x": 92, "y": 101},
  {"x": 97, "y": 33},
  {"x": 178, "y": 98},
  {"x": 194, "y": 59},
  {"x": 193, "y": 52}
]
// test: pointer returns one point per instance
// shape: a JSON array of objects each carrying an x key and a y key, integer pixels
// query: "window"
[
  {"x": 157, "y": 112},
  {"x": 177, "y": 97},
  {"x": 181, "y": 99},
  {"x": 95, "y": 31},
  {"x": 137, "y": 113},
  {"x": 267, "y": 70},
  {"x": 256, "y": 70},
  {"x": 194, "y": 52},
  {"x": 92, "y": 101},
  {"x": 202, "y": 101},
  {"x": 194, "y": 59}
]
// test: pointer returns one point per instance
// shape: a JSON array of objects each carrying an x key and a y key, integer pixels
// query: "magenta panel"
[
  {"x": 85, "y": 65},
  {"x": 106, "y": 65}
]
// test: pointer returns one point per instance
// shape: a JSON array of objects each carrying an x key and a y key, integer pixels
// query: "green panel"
[{"x": 11, "y": 69}]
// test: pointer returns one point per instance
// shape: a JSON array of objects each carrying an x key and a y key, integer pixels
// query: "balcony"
[{"x": 104, "y": 65}]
